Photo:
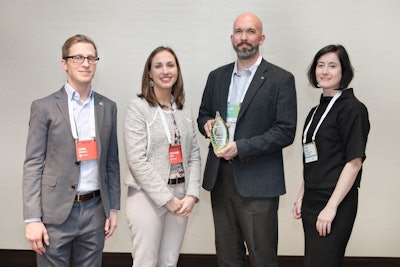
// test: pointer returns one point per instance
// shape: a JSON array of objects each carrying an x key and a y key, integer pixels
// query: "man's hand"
[
  {"x": 229, "y": 152},
  {"x": 36, "y": 233},
  {"x": 208, "y": 126},
  {"x": 111, "y": 224}
]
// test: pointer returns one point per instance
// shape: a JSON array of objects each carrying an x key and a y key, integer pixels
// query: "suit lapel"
[
  {"x": 62, "y": 103},
  {"x": 98, "y": 115},
  {"x": 99, "y": 111},
  {"x": 258, "y": 79},
  {"x": 226, "y": 81}
]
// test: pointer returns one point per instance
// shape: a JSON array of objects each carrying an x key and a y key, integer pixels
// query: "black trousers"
[
  {"x": 242, "y": 223},
  {"x": 327, "y": 251}
]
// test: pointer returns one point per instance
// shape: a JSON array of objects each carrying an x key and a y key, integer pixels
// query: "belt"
[
  {"x": 176, "y": 180},
  {"x": 86, "y": 197}
]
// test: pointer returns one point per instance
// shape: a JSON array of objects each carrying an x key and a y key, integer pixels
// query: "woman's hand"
[
  {"x": 343, "y": 186},
  {"x": 187, "y": 206},
  {"x": 296, "y": 210},
  {"x": 325, "y": 219},
  {"x": 173, "y": 205}
]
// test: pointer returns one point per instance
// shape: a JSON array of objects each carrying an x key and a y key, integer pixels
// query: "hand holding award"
[{"x": 219, "y": 134}]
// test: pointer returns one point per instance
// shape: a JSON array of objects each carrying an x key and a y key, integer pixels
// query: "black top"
[{"x": 341, "y": 138}]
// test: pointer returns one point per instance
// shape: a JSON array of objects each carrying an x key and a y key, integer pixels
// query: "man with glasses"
[{"x": 71, "y": 181}]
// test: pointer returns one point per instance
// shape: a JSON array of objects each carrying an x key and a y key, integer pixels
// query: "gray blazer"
[
  {"x": 146, "y": 146},
  {"x": 266, "y": 124},
  {"x": 50, "y": 177}
]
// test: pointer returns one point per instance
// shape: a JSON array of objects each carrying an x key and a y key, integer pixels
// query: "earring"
[{"x": 151, "y": 83}]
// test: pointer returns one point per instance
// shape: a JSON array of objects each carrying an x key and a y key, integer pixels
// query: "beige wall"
[{"x": 32, "y": 32}]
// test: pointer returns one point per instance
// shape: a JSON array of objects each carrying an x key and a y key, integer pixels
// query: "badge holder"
[{"x": 86, "y": 150}]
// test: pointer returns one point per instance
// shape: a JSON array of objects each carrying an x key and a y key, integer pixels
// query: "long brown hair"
[{"x": 148, "y": 91}]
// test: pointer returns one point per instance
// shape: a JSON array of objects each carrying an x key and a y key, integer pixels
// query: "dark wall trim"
[{"x": 26, "y": 258}]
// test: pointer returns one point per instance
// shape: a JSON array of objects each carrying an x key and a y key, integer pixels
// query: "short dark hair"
[
  {"x": 148, "y": 91},
  {"x": 347, "y": 68}
]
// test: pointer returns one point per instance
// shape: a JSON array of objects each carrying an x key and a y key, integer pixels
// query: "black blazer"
[{"x": 266, "y": 124}]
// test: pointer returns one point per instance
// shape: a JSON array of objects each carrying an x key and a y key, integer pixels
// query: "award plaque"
[{"x": 219, "y": 134}]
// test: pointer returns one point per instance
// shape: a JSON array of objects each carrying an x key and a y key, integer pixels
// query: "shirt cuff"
[{"x": 33, "y": 220}]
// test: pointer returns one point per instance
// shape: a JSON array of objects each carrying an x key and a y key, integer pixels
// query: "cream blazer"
[{"x": 146, "y": 147}]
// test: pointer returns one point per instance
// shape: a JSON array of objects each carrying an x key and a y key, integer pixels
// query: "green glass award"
[{"x": 219, "y": 133}]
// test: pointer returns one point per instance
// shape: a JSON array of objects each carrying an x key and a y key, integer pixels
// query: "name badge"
[
  {"x": 86, "y": 150},
  {"x": 233, "y": 112},
  {"x": 175, "y": 154},
  {"x": 310, "y": 152}
]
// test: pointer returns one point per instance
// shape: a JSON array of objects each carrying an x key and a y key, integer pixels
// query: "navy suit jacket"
[
  {"x": 266, "y": 124},
  {"x": 51, "y": 175}
]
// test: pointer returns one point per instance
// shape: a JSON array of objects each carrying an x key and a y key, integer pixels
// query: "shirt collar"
[
  {"x": 73, "y": 94},
  {"x": 252, "y": 67}
]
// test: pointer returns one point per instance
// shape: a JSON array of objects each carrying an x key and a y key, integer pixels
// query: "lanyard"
[
  {"x": 165, "y": 124},
  {"x": 72, "y": 120},
  {"x": 333, "y": 100}
]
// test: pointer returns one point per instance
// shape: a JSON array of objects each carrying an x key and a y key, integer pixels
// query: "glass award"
[{"x": 219, "y": 134}]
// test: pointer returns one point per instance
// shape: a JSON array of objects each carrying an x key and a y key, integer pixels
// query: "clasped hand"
[{"x": 181, "y": 207}]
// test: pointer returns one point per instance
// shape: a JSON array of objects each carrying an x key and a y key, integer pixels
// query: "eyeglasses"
[{"x": 80, "y": 59}]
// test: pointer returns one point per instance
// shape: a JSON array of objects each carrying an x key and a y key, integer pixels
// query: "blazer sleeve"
[
  {"x": 112, "y": 165},
  {"x": 206, "y": 111},
  {"x": 194, "y": 162},
  {"x": 34, "y": 162}
]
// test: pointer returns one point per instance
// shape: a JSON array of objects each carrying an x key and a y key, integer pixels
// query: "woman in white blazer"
[{"x": 164, "y": 163}]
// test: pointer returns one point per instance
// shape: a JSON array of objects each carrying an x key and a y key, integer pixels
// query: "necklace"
[{"x": 166, "y": 107}]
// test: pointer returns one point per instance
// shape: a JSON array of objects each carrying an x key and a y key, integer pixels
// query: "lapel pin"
[
  {"x": 262, "y": 77},
  {"x": 100, "y": 103}
]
